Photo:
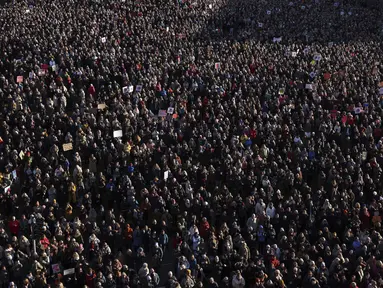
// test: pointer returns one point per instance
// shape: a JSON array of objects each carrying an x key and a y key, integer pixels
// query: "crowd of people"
[{"x": 190, "y": 143}]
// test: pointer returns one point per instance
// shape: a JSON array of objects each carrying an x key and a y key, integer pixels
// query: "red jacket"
[
  {"x": 14, "y": 227},
  {"x": 90, "y": 280}
]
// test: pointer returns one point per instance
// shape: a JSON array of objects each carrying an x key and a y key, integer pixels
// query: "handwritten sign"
[
  {"x": 69, "y": 271},
  {"x": 117, "y": 134},
  {"x": 67, "y": 147}
]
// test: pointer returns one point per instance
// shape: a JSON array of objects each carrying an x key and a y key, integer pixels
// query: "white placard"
[
  {"x": 103, "y": 39},
  {"x": 309, "y": 86},
  {"x": 125, "y": 90},
  {"x": 166, "y": 175},
  {"x": 277, "y": 39},
  {"x": 294, "y": 54},
  {"x": 130, "y": 89},
  {"x": 170, "y": 110},
  {"x": 117, "y": 134},
  {"x": 69, "y": 271}
]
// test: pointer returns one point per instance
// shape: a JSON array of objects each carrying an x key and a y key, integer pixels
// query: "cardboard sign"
[
  {"x": 217, "y": 66},
  {"x": 56, "y": 268},
  {"x": 170, "y": 110},
  {"x": 277, "y": 40},
  {"x": 20, "y": 79},
  {"x": 69, "y": 271},
  {"x": 103, "y": 39},
  {"x": 67, "y": 147},
  {"x": 162, "y": 113},
  {"x": 101, "y": 106},
  {"x": 138, "y": 88},
  {"x": 117, "y": 134}
]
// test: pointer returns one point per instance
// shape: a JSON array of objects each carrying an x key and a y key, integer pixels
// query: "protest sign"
[
  {"x": 117, "y": 134},
  {"x": 309, "y": 86},
  {"x": 130, "y": 88},
  {"x": 125, "y": 90},
  {"x": 217, "y": 66},
  {"x": 317, "y": 57},
  {"x": 281, "y": 91},
  {"x": 101, "y": 106},
  {"x": 170, "y": 110},
  {"x": 358, "y": 110},
  {"x": 210, "y": 6},
  {"x": 56, "y": 268},
  {"x": 20, "y": 79},
  {"x": 277, "y": 39},
  {"x": 294, "y": 54},
  {"x": 7, "y": 190},
  {"x": 138, "y": 88},
  {"x": 41, "y": 72},
  {"x": 21, "y": 155},
  {"x": 312, "y": 75},
  {"x": 69, "y": 271},
  {"x": 67, "y": 147},
  {"x": 166, "y": 175},
  {"x": 162, "y": 113},
  {"x": 103, "y": 39}
]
